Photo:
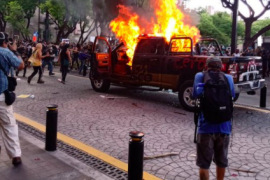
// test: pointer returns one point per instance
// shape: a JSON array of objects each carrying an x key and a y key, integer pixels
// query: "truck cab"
[{"x": 158, "y": 65}]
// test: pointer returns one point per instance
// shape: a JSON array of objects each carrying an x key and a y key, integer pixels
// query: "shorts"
[{"x": 212, "y": 147}]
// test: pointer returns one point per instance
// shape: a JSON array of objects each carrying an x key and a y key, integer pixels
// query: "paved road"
[
  {"x": 254, "y": 100},
  {"x": 104, "y": 123}
]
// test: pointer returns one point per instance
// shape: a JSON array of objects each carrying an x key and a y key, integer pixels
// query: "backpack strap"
[{"x": 226, "y": 80}]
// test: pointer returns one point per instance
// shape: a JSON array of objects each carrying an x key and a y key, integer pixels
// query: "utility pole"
[
  {"x": 38, "y": 20},
  {"x": 234, "y": 27},
  {"x": 47, "y": 30}
]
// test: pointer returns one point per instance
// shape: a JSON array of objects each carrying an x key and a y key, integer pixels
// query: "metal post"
[
  {"x": 234, "y": 27},
  {"x": 263, "y": 96},
  {"x": 51, "y": 128},
  {"x": 47, "y": 29},
  {"x": 135, "y": 156},
  {"x": 39, "y": 20}
]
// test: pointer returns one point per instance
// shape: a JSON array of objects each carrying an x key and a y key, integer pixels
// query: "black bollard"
[
  {"x": 263, "y": 96},
  {"x": 51, "y": 127},
  {"x": 135, "y": 156}
]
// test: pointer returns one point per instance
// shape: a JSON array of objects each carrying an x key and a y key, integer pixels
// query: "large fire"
[{"x": 168, "y": 22}]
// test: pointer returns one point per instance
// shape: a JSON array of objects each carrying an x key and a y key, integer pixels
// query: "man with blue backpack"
[{"x": 214, "y": 92}]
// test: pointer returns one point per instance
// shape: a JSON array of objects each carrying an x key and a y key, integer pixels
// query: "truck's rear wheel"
[
  {"x": 100, "y": 85},
  {"x": 185, "y": 96}
]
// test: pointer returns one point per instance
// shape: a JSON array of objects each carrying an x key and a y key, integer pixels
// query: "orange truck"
[{"x": 158, "y": 65}]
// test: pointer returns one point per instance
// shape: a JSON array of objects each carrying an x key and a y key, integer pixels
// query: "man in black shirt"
[{"x": 48, "y": 59}]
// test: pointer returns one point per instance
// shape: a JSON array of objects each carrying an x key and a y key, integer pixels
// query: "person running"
[
  {"x": 64, "y": 59},
  {"x": 36, "y": 62}
]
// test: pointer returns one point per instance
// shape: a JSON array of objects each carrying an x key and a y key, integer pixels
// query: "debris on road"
[
  {"x": 180, "y": 113},
  {"x": 23, "y": 96},
  {"x": 242, "y": 170},
  {"x": 160, "y": 156},
  {"x": 111, "y": 98}
]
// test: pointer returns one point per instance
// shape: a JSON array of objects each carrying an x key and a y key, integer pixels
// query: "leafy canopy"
[{"x": 218, "y": 26}]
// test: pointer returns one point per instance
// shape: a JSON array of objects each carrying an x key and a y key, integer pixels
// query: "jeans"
[
  {"x": 77, "y": 62},
  {"x": 37, "y": 69},
  {"x": 64, "y": 70},
  {"x": 82, "y": 64},
  {"x": 50, "y": 65}
]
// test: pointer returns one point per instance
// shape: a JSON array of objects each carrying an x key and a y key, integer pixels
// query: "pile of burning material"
[{"x": 167, "y": 22}]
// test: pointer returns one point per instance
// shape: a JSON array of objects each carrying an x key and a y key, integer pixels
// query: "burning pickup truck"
[{"x": 158, "y": 65}]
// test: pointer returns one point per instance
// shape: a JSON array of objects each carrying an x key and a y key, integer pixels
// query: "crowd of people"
[
  {"x": 261, "y": 52},
  {"x": 70, "y": 57}
]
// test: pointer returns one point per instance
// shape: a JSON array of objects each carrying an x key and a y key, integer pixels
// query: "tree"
[
  {"x": 216, "y": 26},
  {"x": 64, "y": 14},
  {"x": 86, "y": 22},
  {"x": 29, "y": 8},
  {"x": 15, "y": 17},
  {"x": 103, "y": 12},
  {"x": 250, "y": 20},
  {"x": 3, "y": 12}
]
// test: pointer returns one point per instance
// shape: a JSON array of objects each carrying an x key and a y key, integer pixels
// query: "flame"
[{"x": 169, "y": 22}]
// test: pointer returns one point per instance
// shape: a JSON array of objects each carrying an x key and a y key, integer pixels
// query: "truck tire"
[
  {"x": 236, "y": 97},
  {"x": 185, "y": 96},
  {"x": 100, "y": 85}
]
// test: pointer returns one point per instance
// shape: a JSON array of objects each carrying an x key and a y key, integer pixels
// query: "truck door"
[
  {"x": 147, "y": 61},
  {"x": 102, "y": 57},
  {"x": 178, "y": 62}
]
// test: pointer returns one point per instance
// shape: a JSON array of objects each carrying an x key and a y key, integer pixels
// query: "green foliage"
[
  {"x": 56, "y": 10},
  {"x": 258, "y": 25},
  {"x": 218, "y": 26},
  {"x": 15, "y": 17},
  {"x": 28, "y": 7}
]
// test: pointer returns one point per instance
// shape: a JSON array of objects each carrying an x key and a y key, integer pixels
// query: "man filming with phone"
[{"x": 9, "y": 128}]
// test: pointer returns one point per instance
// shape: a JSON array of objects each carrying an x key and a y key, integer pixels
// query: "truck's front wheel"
[
  {"x": 185, "y": 96},
  {"x": 100, "y": 85}
]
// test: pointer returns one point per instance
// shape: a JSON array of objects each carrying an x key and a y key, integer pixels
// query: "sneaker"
[
  {"x": 51, "y": 74},
  {"x": 60, "y": 80},
  {"x": 40, "y": 82},
  {"x": 16, "y": 161},
  {"x": 29, "y": 79}
]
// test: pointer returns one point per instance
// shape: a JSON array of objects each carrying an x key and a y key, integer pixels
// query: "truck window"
[
  {"x": 101, "y": 46},
  {"x": 208, "y": 48},
  {"x": 150, "y": 46},
  {"x": 180, "y": 45}
]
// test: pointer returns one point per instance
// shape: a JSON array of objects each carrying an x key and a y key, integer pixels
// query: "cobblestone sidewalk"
[
  {"x": 104, "y": 123},
  {"x": 37, "y": 164}
]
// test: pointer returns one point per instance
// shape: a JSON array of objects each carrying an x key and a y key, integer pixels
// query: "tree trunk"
[
  {"x": 247, "y": 40},
  {"x": 59, "y": 35},
  {"x": 3, "y": 25},
  {"x": 28, "y": 23}
]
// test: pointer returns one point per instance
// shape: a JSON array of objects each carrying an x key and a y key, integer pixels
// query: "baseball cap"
[
  {"x": 3, "y": 36},
  {"x": 214, "y": 62}
]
